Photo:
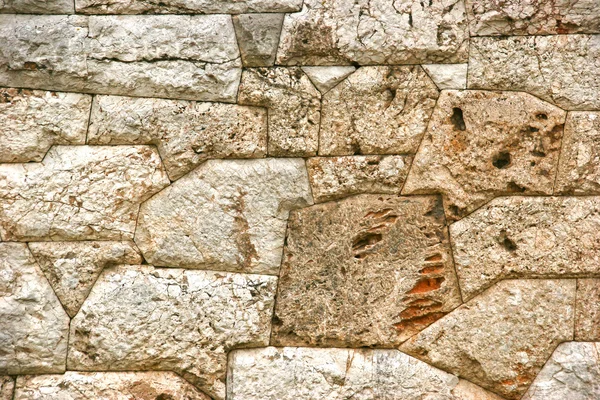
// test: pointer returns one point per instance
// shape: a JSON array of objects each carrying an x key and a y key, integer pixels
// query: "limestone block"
[
  {"x": 258, "y": 37},
  {"x": 587, "y": 310},
  {"x": 325, "y": 78},
  {"x": 36, "y": 7},
  {"x": 448, "y": 76}
]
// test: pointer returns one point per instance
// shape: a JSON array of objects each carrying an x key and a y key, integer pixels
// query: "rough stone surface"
[
  {"x": 377, "y": 110},
  {"x": 78, "y": 193},
  {"x": 293, "y": 107},
  {"x": 190, "y": 57},
  {"x": 186, "y": 133},
  {"x": 341, "y": 32},
  {"x": 370, "y": 270},
  {"x": 258, "y": 37},
  {"x": 448, "y": 76},
  {"x": 186, "y": 321},
  {"x": 325, "y": 78},
  {"x": 587, "y": 310},
  {"x": 7, "y": 385},
  {"x": 502, "y": 338},
  {"x": 185, "y": 6},
  {"x": 226, "y": 215},
  {"x": 563, "y": 69},
  {"x": 33, "y": 325},
  {"x": 573, "y": 373},
  {"x": 336, "y": 177},
  {"x": 72, "y": 268},
  {"x": 480, "y": 145},
  {"x": 36, "y": 7}
]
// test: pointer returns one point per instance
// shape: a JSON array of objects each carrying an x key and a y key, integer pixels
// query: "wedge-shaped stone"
[
  {"x": 526, "y": 237},
  {"x": 294, "y": 108},
  {"x": 146, "y": 318},
  {"x": 502, "y": 338},
  {"x": 296, "y": 373},
  {"x": 377, "y": 110},
  {"x": 370, "y": 270},
  {"x": 480, "y": 145},
  {"x": 341, "y": 32},
  {"x": 587, "y": 310},
  {"x": 325, "y": 78},
  {"x": 78, "y": 193},
  {"x": 189, "y": 57},
  {"x": 33, "y": 325},
  {"x": 563, "y": 69},
  {"x": 36, "y": 7},
  {"x": 448, "y": 76},
  {"x": 186, "y": 133},
  {"x": 258, "y": 37},
  {"x": 7, "y": 385},
  {"x": 186, "y": 7}
]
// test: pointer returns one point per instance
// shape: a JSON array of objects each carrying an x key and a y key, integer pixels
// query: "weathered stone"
[
  {"x": 258, "y": 37},
  {"x": 370, "y": 270},
  {"x": 296, "y": 373},
  {"x": 7, "y": 385},
  {"x": 294, "y": 108},
  {"x": 587, "y": 310},
  {"x": 185, "y": 7},
  {"x": 448, "y": 76},
  {"x": 336, "y": 177},
  {"x": 341, "y": 32},
  {"x": 502, "y": 338},
  {"x": 36, "y": 7},
  {"x": 480, "y": 145},
  {"x": 226, "y": 215},
  {"x": 78, "y": 193},
  {"x": 563, "y": 69},
  {"x": 72, "y": 268},
  {"x": 177, "y": 56},
  {"x": 33, "y": 325},
  {"x": 146, "y": 318},
  {"x": 377, "y": 110},
  {"x": 186, "y": 133},
  {"x": 573, "y": 373},
  {"x": 325, "y": 78}
]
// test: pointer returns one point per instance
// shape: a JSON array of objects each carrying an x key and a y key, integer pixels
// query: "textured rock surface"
[
  {"x": 587, "y": 310},
  {"x": 448, "y": 76},
  {"x": 293, "y": 107},
  {"x": 480, "y": 145},
  {"x": 325, "y": 78},
  {"x": 563, "y": 69},
  {"x": 73, "y": 267},
  {"x": 33, "y": 325},
  {"x": 36, "y": 7},
  {"x": 147, "y": 318},
  {"x": 340, "y": 32},
  {"x": 258, "y": 37},
  {"x": 295, "y": 373},
  {"x": 186, "y": 133},
  {"x": 185, "y": 7},
  {"x": 7, "y": 385},
  {"x": 502, "y": 338},
  {"x": 377, "y": 110},
  {"x": 370, "y": 270}
]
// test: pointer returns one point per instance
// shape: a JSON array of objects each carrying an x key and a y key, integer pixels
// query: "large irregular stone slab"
[
  {"x": 78, "y": 193},
  {"x": 175, "y": 56},
  {"x": 185, "y": 7},
  {"x": 325, "y": 78},
  {"x": 448, "y": 76},
  {"x": 587, "y": 310},
  {"x": 370, "y": 270},
  {"x": 33, "y": 325},
  {"x": 72, "y": 268},
  {"x": 36, "y": 7},
  {"x": 7, "y": 385},
  {"x": 342, "y": 32},
  {"x": 258, "y": 37},
  {"x": 502, "y": 338},
  {"x": 146, "y": 318},
  {"x": 293, "y": 104},
  {"x": 186, "y": 133},
  {"x": 377, "y": 110},
  {"x": 540, "y": 65},
  {"x": 480, "y": 145}
]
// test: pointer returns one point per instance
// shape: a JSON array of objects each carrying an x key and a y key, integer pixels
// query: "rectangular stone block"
[
  {"x": 36, "y": 7},
  {"x": 186, "y": 7}
]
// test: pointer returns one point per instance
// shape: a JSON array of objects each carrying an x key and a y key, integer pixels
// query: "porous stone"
[
  {"x": 186, "y": 7},
  {"x": 258, "y": 37},
  {"x": 36, "y": 7},
  {"x": 185, "y": 133},
  {"x": 342, "y": 32},
  {"x": 325, "y": 78},
  {"x": 7, "y": 385},
  {"x": 563, "y": 69},
  {"x": 33, "y": 325},
  {"x": 225, "y": 215},
  {"x": 377, "y": 110},
  {"x": 448, "y": 76},
  {"x": 294, "y": 108},
  {"x": 587, "y": 310},
  {"x": 336, "y": 177},
  {"x": 502, "y": 338},
  {"x": 146, "y": 318},
  {"x": 72, "y": 268},
  {"x": 78, "y": 193},
  {"x": 370, "y": 270},
  {"x": 481, "y": 144}
]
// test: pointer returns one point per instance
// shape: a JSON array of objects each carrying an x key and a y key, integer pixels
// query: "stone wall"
[{"x": 299, "y": 199}]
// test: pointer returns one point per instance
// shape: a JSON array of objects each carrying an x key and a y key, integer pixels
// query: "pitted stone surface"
[
  {"x": 587, "y": 310},
  {"x": 370, "y": 270},
  {"x": 36, "y": 7},
  {"x": 185, "y": 7},
  {"x": 7, "y": 385},
  {"x": 325, "y": 78},
  {"x": 448, "y": 76},
  {"x": 502, "y": 338},
  {"x": 480, "y": 145},
  {"x": 258, "y": 37},
  {"x": 146, "y": 318},
  {"x": 377, "y": 110},
  {"x": 33, "y": 325},
  {"x": 78, "y": 193},
  {"x": 186, "y": 133}
]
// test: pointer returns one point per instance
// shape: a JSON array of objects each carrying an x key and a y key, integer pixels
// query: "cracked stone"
[
  {"x": 36, "y": 7},
  {"x": 258, "y": 37},
  {"x": 448, "y": 76},
  {"x": 186, "y": 7},
  {"x": 325, "y": 78},
  {"x": 587, "y": 310},
  {"x": 7, "y": 385}
]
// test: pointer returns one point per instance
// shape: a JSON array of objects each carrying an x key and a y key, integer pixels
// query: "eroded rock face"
[
  {"x": 587, "y": 310},
  {"x": 502, "y": 338},
  {"x": 480, "y": 145},
  {"x": 325, "y": 78},
  {"x": 377, "y": 110},
  {"x": 185, "y": 7},
  {"x": 7, "y": 385},
  {"x": 258, "y": 37},
  {"x": 448, "y": 76},
  {"x": 36, "y": 7},
  {"x": 78, "y": 193},
  {"x": 370, "y": 270}
]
